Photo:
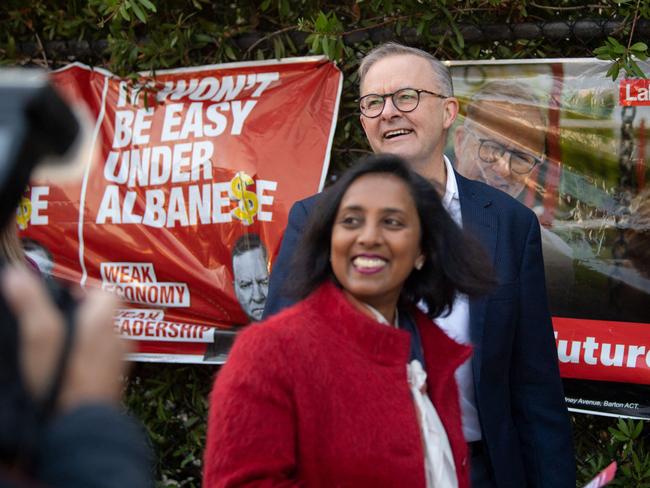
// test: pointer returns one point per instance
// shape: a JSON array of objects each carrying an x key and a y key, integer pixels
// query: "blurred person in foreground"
[
  {"x": 513, "y": 410},
  {"x": 354, "y": 385},
  {"x": 11, "y": 250},
  {"x": 502, "y": 142},
  {"x": 61, "y": 362},
  {"x": 60, "y": 423}
]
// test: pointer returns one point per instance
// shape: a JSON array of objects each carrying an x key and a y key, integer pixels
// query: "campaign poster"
[
  {"x": 185, "y": 194},
  {"x": 571, "y": 144}
]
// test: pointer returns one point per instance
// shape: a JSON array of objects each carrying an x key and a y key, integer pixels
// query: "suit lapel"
[{"x": 480, "y": 220}]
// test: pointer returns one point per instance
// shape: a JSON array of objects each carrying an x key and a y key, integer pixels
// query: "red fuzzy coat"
[{"x": 318, "y": 396}]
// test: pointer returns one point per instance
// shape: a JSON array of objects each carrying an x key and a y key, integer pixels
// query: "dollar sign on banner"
[
  {"x": 23, "y": 213},
  {"x": 247, "y": 207}
]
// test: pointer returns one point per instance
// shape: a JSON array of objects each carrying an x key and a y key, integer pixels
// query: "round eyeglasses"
[
  {"x": 520, "y": 163},
  {"x": 404, "y": 100}
]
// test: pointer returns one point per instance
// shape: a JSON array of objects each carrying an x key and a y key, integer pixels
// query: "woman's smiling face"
[{"x": 375, "y": 240}]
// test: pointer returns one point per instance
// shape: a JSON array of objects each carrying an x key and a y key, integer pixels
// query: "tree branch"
[
  {"x": 636, "y": 16},
  {"x": 267, "y": 37}
]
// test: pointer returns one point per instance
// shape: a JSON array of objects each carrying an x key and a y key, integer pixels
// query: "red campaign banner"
[
  {"x": 603, "y": 350},
  {"x": 182, "y": 207},
  {"x": 634, "y": 92}
]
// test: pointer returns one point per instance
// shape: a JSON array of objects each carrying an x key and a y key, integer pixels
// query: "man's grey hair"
[
  {"x": 248, "y": 242},
  {"x": 442, "y": 75},
  {"x": 510, "y": 91}
]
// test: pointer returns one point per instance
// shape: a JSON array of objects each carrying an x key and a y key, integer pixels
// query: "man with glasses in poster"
[
  {"x": 502, "y": 142},
  {"x": 503, "y": 138},
  {"x": 513, "y": 411}
]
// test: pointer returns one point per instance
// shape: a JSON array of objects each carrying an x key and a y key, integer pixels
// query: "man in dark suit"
[{"x": 514, "y": 416}]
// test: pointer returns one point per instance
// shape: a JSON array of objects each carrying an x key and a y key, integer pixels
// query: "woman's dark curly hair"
[{"x": 453, "y": 262}]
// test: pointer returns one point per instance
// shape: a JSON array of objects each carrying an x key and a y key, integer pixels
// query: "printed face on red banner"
[{"x": 184, "y": 207}]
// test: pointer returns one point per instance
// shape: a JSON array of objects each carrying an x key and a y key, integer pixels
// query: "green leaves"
[
  {"x": 139, "y": 7},
  {"x": 640, "y": 48},
  {"x": 626, "y": 430},
  {"x": 601, "y": 440},
  {"x": 172, "y": 402},
  {"x": 611, "y": 48},
  {"x": 283, "y": 7},
  {"x": 457, "y": 41},
  {"x": 327, "y": 35},
  {"x": 212, "y": 29},
  {"x": 623, "y": 58},
  {"x": 123, "y": 10}
]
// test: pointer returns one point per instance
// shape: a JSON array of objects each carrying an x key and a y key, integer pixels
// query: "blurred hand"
[{"x": 95, "y": 365}]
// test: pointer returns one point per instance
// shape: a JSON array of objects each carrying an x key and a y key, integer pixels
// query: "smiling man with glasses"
[
  {"x": 405, "y": 100},
  {"x": 407, "y": 106},
  {"x": 513, "y": 413}
]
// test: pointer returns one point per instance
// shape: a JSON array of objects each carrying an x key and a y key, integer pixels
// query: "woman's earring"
[{"x": 419, "y": 262}]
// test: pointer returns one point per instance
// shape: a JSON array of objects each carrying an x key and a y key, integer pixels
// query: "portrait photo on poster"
[
  {"x": 251, "y": 283},
  {"x": 502, "y": 142},
  {"x": 572, "y": 145},
  {"x": 250, "y": 275}
]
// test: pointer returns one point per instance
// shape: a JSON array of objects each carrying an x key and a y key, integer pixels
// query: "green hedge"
[
  {"x": 172, "y": 402},
  {"x": 126, "y": 36}
]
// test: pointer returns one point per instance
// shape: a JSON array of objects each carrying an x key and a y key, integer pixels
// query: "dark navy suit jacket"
[{"x": 524, "y": 420}]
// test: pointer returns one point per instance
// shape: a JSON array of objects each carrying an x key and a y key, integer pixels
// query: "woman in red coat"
[{"x": 354, "y": 386}]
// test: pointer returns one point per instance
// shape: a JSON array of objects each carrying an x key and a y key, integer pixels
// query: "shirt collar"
[
  {"x": 380, "y": 318},
  {"x": 451, "y": 188}
]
